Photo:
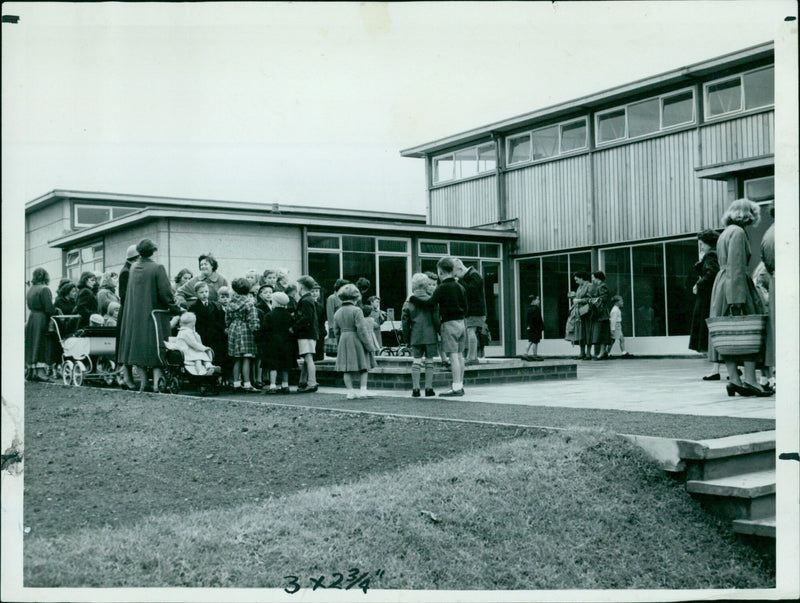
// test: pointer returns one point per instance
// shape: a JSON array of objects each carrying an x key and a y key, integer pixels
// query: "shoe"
[
  {"x": 580, "y": 357},
  {"x": 537, "y": 358},
  {"x": 285, "y": 390},
  {"x": 743, "y": 391},
  {"x": 362, "y": 394},
  {"x": 626, "y": 355},
  {"x": 714, "y": 377},
  {"x": 756, "y": 390},
  {"x": 307, "y": 389},
  {"x": 602, "y": 356},
  {"x": 452, "y": 393},
  {"x": 415, "y": 393},
  {"x": 526, "y": 358},
  {"x": 248, "y": 388},
  {"x": 471, "y": 362},
  {"x": 258, "y": 385},
  {"x": 429, "y": 392},
  {"x": 302, "y": 385},
  {"x": 271, "y": 391},
  {"x": 350, "y": 396}
]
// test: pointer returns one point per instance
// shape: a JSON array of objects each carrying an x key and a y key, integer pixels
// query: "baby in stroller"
[{"x": 197, "y": 358}]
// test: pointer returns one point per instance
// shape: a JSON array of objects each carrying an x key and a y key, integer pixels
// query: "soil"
[{"x": 97, "y": 456}]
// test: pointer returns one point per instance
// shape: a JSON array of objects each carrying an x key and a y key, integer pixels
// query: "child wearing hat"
[
  {"x": 278, "y": 355},
  {"x": 306, "y": 330}
]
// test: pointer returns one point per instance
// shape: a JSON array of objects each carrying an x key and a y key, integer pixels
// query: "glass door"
[
  {"x": 392, "y": 283},
  {"x": 494, "y": 304}
]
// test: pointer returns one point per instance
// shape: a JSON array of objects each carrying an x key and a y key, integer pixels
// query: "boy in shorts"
[
  {"x": 420, "y": 326},
  {"x": 451, "y": 300},
  {"x": 306, "y": 330}
]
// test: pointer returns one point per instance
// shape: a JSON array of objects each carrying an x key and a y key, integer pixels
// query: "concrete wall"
[
  {"x": 41, "y": 227},
  {"x": 116, "y": 243}
]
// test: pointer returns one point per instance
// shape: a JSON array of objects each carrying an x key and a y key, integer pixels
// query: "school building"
[{"x": 621, "y": 180}]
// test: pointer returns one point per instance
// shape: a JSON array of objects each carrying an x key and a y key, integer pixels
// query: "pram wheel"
[
  {"x": 403, "y": 351},
  {"x": 385, "y": 352},
  {"x": 66, "y": 372},
  {"x": 78, "y": 372},
  {"x": 106, "y": 368},
  {"x": 173, "y": 385}
]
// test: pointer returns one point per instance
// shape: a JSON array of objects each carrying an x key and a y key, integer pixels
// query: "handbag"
[
  {"x": 331, "y": 346},
  {"x": 741, "y": 335}
]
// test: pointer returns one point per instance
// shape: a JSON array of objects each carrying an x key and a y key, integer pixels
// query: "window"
[
  {"x": 750, "y": 90},
  {"x": 433, "y": 248},
  {"x": 648, "y": 116},
  {"x": 88, "y": 258},
  {"x": 549, "y": 141},
  {"x": 465, "y": 163},
  {"x": 89, "y": 215},
  {"x": 460, "y": 249},
  {"x": 760, "y": 190}
]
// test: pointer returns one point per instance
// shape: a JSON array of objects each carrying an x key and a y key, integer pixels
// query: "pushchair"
[
  {"x": 87, "y": 353},
  {"x": 392, "y": 343},
  {"x": 176, "y": 375}
]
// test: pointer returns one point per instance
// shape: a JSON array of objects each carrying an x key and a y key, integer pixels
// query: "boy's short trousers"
[
  {"x": 454, "y": 336},
  {"x": 617, "y": 333},
  {"x": 430, "y": 350},
  {"x": 473, "y": 322},
  {"x": 307, "y": 346}
]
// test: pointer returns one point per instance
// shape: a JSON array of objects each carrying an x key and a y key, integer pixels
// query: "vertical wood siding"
[
  {"x": 738, "y": 139},
  {"x": 715, "y": 202},
  {"x": 553, "y": 203},
  {"x": 646, "y": 189},
  {"x": 465, "y": 204}
]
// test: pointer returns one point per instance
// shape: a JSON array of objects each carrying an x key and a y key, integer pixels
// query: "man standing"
[{"x": 475, "y": 319}]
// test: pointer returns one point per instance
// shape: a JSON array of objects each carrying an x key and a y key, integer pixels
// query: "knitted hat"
[
  {"x": 131, "y": 254},
  {"x": 279, "y": 298}
]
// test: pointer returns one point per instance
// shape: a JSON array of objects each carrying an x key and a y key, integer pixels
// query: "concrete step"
[
  {"x": 764, "y": 527},
  {"x": 730, "y": 456},
  {"x": 745, "y": 496}
]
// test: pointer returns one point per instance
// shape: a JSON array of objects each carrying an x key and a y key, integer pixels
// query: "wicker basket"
[{"x": 737, "y": 335}]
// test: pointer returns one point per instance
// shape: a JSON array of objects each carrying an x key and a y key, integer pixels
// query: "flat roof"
[
  {"x": 685, "y": 74},
  {"x": 275, "y": 208},
  {"x": 499, "y": 232}
]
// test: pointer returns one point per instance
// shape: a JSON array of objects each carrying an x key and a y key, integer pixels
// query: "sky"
[{"x": 309, "y": 104}]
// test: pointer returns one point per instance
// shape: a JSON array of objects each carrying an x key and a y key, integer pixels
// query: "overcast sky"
[{"x": 310, "y": 104}]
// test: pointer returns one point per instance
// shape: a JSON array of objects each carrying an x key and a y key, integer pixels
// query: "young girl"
[
  {"x": 279, "y": 354},
  {"x": 196, "y": 356},
  {"x": 241, "y": 318},
  {"x": 535, "y": 328},
  {"x": 112, "y": 312},
  {"x": 615, "y": 324},
  {"x": 355, "y": 354}
]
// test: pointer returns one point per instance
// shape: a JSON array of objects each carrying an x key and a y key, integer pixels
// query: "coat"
[
  {"x": 214, "y": 281},
  {"x": 768, "y": 257},
  {"x": 534, "y": 323},
  {"x": 241, "y": 317},
  {"x": 148, "y": 289},
  {"x": 105, "y": 296},
  {"x": 86, "y": 305},
  {"x": 472, "y": 282},
  {"x": 279, "y": 354},
  {"x": 305, "y": 319},
  {"x": 355, "y": 352},
  {"x": 733, "y": 285},
  {"x": 706, "y": 269},
  {"x": 420, "y": 324},
  {"x": 38, "y": 346},
  {"x": 211, "y": 328}
]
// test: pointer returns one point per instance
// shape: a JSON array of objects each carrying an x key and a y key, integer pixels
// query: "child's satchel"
[{"x": 331, "y": 346}]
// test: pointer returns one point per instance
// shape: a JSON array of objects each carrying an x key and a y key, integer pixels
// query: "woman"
[
  {"x": 208, "y": 265},
  {"x": 107, "y": 292},
  {"x": 580, "y": 305},
  {"x": 65, "y": 299},
  {"x": 706, "y": 268},
  {"x": 38, "y": 346},
  {"x": 600, "y": 319},
  {"x": 734, "y": 292},
  {"x": 183, "y": 277},
  {"x": 148, "y": 289},
  {"x": 86, "y": 302},
  {"x": 768, "y": 257}
]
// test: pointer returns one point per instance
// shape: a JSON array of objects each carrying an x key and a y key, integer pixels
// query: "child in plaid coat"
[{"x": 241, "y": 318}]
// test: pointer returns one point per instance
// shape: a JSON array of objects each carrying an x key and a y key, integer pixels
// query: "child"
[
  {"x": 241, "y": 317},
  {"x": 224, "y": 296},
  {"x": 306, "y": 331},
  {"x": 615, "y": 324},
  {"x": 210, "y": 325},
  {"x": 112, "y": 313},
  {"x": 196, "y": 356},
  {"x": 451, "y": 299},
  {"x": 278, "y": 350},
  {"x": 355, "y": 354},
  {"x": 420, "y": 327},
  {"x": 263, "y": 306},
  {"x": 535, "y": 328},
  {"x": 322, "y": 332}
]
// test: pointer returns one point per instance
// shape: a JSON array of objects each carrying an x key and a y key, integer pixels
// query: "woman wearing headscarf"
[
  {"x": 38, "y": 346},
  {"x": 706, "y": 267},
  {"x": 734, "y": 292},
  {"x": 148, "y": 289},
  {"x": 208, "y": 265}
]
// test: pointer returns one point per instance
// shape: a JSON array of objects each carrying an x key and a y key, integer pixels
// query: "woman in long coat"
[
  {"x": 706, "y": 267},
  {"x": 734, "y": 292},
  {"x": 38, "y": 346},
  {"x": 581, "y": 307},
  {"x": 768, "y": 257},
  {"x": 148, "y": 289},
  {"x": 600, "y": 319}
]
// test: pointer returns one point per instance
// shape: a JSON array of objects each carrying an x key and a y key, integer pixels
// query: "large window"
[
  {"x": 89, "y": 215},
  {"x": 743, "y": 92},
  {"x": 550, "y": 277},
  {"x": 82, "y": 259},
  {"x": 550, "y": 141},
  {"x": 465, "y": 163},
  {"x": 645, "y": 117},
  {"x": 655, "y": 282}
]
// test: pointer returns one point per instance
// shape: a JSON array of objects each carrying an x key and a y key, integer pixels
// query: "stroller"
[
  {"x": 87, "y": 353},
  {"x": 392, "y": 343},
  {"x": 176, "y": 375}
]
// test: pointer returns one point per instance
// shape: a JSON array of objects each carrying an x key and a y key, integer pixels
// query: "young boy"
[
  {"x": 419, "y": 331},
  {"x": 211, "y": 324},
  {"x": 535, "y": 328},
  {"x": 615, "y": 317},
  {"x": 451, "y": 299},
  {"x": 305, "y": 329}
]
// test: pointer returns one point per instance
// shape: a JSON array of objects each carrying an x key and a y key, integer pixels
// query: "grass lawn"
[{"x": 126, "y": 489}]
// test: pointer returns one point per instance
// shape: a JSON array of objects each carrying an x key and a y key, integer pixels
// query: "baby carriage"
[
  {"x": 87, "y": 353},
  {"x": 392, "y": 339},
  {"x": 176, "y": 373}
]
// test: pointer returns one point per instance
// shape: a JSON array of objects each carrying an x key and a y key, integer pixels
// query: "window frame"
[
  {"x": 559, "y": 153},
  {"x": 79, "y": 263},
  {"x": 447, "y": 242},
  {"x": 742, "y": 97},
  {"x": 661, "y": 127},
  {"x": 111, "y": 210},
  {"x": 452, "y": 155},
  {"x": 761, "y": 201}
]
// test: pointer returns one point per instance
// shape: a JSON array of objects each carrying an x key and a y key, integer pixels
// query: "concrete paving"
[{"x": 664, "y": 385}]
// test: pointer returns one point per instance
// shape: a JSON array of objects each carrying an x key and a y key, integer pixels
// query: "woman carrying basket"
[{"x": 735, "y": 294}]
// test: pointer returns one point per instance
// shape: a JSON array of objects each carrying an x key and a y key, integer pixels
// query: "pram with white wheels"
[
  {"x": 87, "y": 353},
  {"x": 392, "y": 343}
]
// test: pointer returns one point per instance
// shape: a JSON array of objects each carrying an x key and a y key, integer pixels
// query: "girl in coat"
[
  {"x": 241, "y": 318},
  {"x": 535, "y": 327},
  {"x": 86, "y": 302},
  {"x": 279, "y": 357},
  {"x": 38, "y": 346},
  {"x": 734, "y": 292},
  {"x": 355, "y": 354}
]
